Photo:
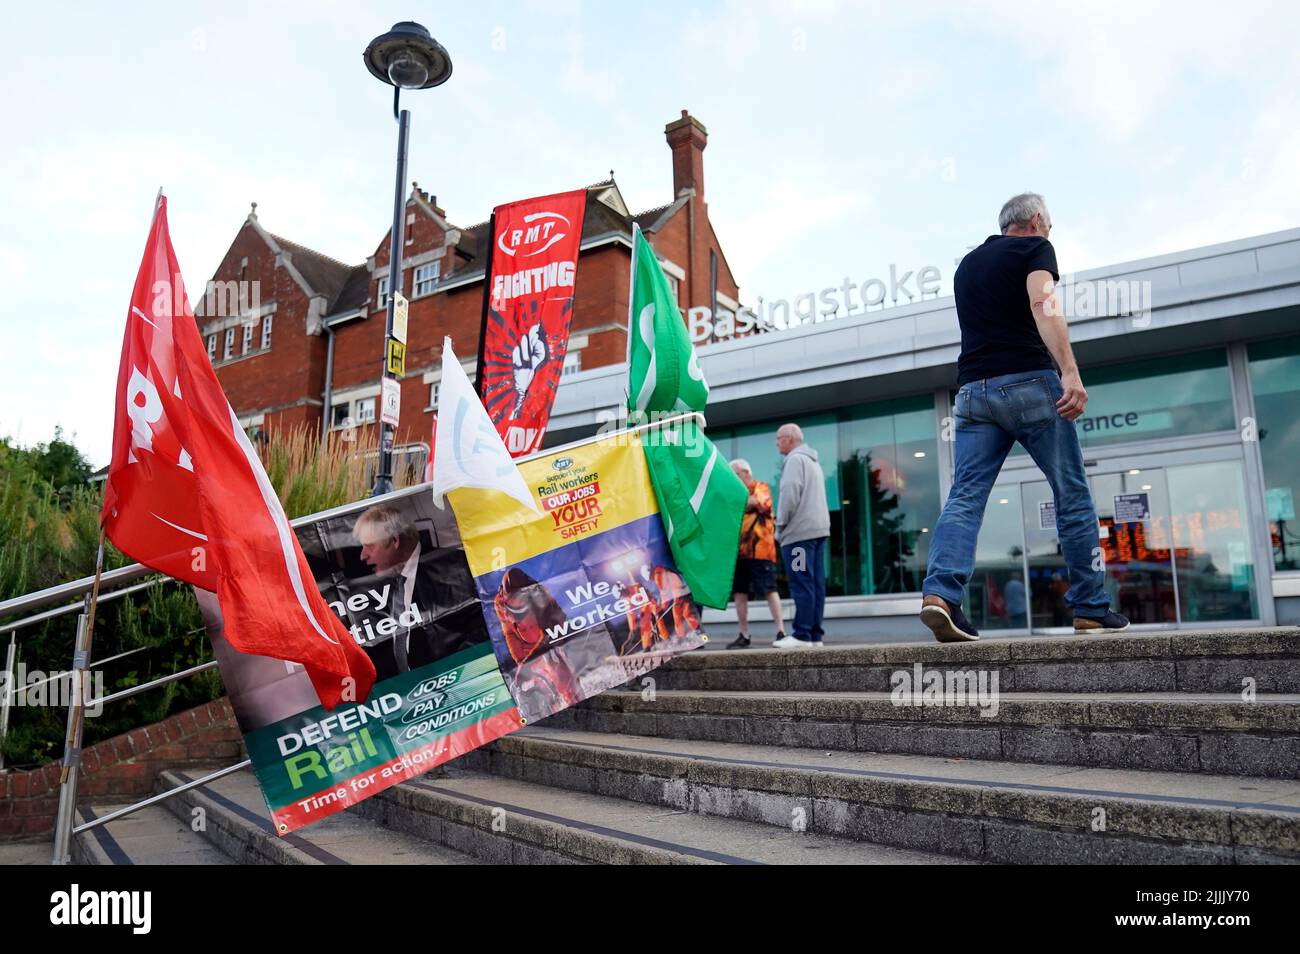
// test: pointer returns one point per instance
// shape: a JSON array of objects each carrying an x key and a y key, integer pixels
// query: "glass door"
[
  {"x": 1134, "y": 527},
  {"x": 1047, "y": 578},
  {"x": 1175, "y": 539},
  {"x": 1133, "y": 511}
]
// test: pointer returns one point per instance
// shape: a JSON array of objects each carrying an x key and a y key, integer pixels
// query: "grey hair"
[
  {"x": 742, "y": 464},
  {"x": 794, "y": 430},
  {"x": 390, "y": 522},
  {"x": 1019, "y": 209}
]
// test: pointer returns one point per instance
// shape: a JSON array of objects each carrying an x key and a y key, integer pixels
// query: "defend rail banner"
[
  {"x": 584, "y": 596},
  {"x": 527, "y": 305},
  {"x": 395, "y": 574},
  {"x": 470, "y": 641}
]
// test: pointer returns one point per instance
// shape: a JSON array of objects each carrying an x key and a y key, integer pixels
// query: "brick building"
[{"x": 306, "y": 350}]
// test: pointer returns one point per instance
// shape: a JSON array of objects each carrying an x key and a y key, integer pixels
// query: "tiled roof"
[
  {"x": 355, "y": 291},
  {"x": 325, "y": 275}
]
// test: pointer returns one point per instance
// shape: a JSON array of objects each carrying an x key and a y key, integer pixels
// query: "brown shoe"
[
  {"x": 1110, "y": 623},
  {"x": 946, "y": 620}
]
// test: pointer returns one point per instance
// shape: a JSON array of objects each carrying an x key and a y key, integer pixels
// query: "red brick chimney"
[{"x": 687, "y": 138}]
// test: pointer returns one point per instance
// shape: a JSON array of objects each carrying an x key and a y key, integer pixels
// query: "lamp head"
[{"x": 408, "y": 57}]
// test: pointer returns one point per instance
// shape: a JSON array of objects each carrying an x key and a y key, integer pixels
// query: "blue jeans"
[
  {"x": 805, "y": 568},
  {"x": 991, "y": 414}
]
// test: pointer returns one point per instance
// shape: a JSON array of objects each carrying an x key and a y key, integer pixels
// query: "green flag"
[{"x": 701, "y": 500}]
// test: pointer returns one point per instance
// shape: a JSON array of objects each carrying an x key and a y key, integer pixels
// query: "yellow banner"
[{"x": 580, "y": 492}]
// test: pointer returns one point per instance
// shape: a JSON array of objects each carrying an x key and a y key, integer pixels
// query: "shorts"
[{"x": 754, "y": 577}]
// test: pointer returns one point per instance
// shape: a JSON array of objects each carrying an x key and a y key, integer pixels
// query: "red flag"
[{"x": 187, "y": 495}]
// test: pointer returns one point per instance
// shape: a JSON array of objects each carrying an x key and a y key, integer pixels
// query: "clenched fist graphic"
[{"x": 526, "y": 360}]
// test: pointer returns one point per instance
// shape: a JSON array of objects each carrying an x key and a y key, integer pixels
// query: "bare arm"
[{"x": 1056, "y": 335}]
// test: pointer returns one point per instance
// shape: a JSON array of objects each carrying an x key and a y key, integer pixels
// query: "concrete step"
[
  {"x": 994, "y": 811},
  {"x": 237, "y": 825},
  {"x": 1172, "y": 732},
  {"x": 151, "y": 836},
  {"x": 507, "y": 821},
  {"x": 1228, "y": 661}
]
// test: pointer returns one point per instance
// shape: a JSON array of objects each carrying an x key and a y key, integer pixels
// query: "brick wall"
[{"x": 123, "y": 768}]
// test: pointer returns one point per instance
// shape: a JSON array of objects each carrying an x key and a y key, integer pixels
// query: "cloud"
[{"x": 785, "y": 214}]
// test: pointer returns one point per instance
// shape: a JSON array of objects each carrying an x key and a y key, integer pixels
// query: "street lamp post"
[{"x": 406, "y": 57}]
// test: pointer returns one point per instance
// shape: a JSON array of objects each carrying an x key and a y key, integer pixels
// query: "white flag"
[{"x": 468, "y": 451}]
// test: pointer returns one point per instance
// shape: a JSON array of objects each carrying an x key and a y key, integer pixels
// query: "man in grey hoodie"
[{"x": 803, "y": 525}]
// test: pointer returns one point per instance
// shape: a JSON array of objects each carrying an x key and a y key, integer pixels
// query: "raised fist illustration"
[{"x": 526, "y": 360}]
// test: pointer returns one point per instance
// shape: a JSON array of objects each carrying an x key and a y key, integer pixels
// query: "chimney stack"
[{"x": 687, "y": 138}]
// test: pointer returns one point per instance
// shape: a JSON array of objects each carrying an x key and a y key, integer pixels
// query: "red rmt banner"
[{"x": 526, "y": 311}]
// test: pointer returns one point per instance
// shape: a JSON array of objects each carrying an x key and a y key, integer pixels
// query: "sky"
[{"x": 843, "y": 138}]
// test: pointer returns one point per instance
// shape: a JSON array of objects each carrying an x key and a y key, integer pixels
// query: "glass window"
[
  {"x": 266, "y": 331},
  {"x": 229, "y": 349},
  {"x": 212, "y": 347},
  {"x": 672, "y": 284},
  {"x": 1216, "y": 575},
  {"x": 1154, "y": 398},
  {"x": 889, "y": 491},
  {"x": 247, "y": 344},
  {"x": 383, "y": 293},
  {"x": 572, "y": 363},
  {"x": 365, "y": 410},
  {"x": 426, "y": 278},
  {"x": 341, "y": 415},
  {"x": 882, "y": 488},
  {"x": 756, "y": 443},
  {"x": 1275, "y": 381}
]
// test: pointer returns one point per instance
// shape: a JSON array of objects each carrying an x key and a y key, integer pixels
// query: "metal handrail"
[
  {"x": 155, "y": 799},
  {"x": 109, "y": 580},
  {"x": 17, "y": 691},
  {"x": 146, "y": 686},
  {"x": 76, "y": 607}
]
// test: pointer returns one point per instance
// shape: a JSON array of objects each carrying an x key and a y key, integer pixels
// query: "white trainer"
[{"x": 790, "y": 642}]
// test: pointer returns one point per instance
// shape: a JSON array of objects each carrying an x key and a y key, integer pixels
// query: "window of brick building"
[
  {"x": 212, "y": 347},
  {"x": 383, "y": 292},
  {"x": 572, "y": 363},
  {"x": 247, "y": 344},
  {"x": 229, "y": 350},
  {"x": 426, "y": 278},
  {"x": 266, "y": 331}
]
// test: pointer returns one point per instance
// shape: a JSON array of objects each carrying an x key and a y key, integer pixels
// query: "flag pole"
[
  {"x": 71, "y": 770},
  {"x": 487, "y": 304},
  {"x": 631, "y": 328}
]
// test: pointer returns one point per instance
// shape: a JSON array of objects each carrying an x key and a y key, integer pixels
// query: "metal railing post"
[
  {"x": 72, "y": 745},
  {"x": 7, "y": 693}
]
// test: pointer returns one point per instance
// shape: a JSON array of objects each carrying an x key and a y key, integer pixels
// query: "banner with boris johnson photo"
[
  {"x": 394, "y": 573},
  {"x": 527, "y": 305}
]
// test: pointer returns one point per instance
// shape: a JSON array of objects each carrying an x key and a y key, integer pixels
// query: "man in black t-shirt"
[{"x": 1017, "y": 381}]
